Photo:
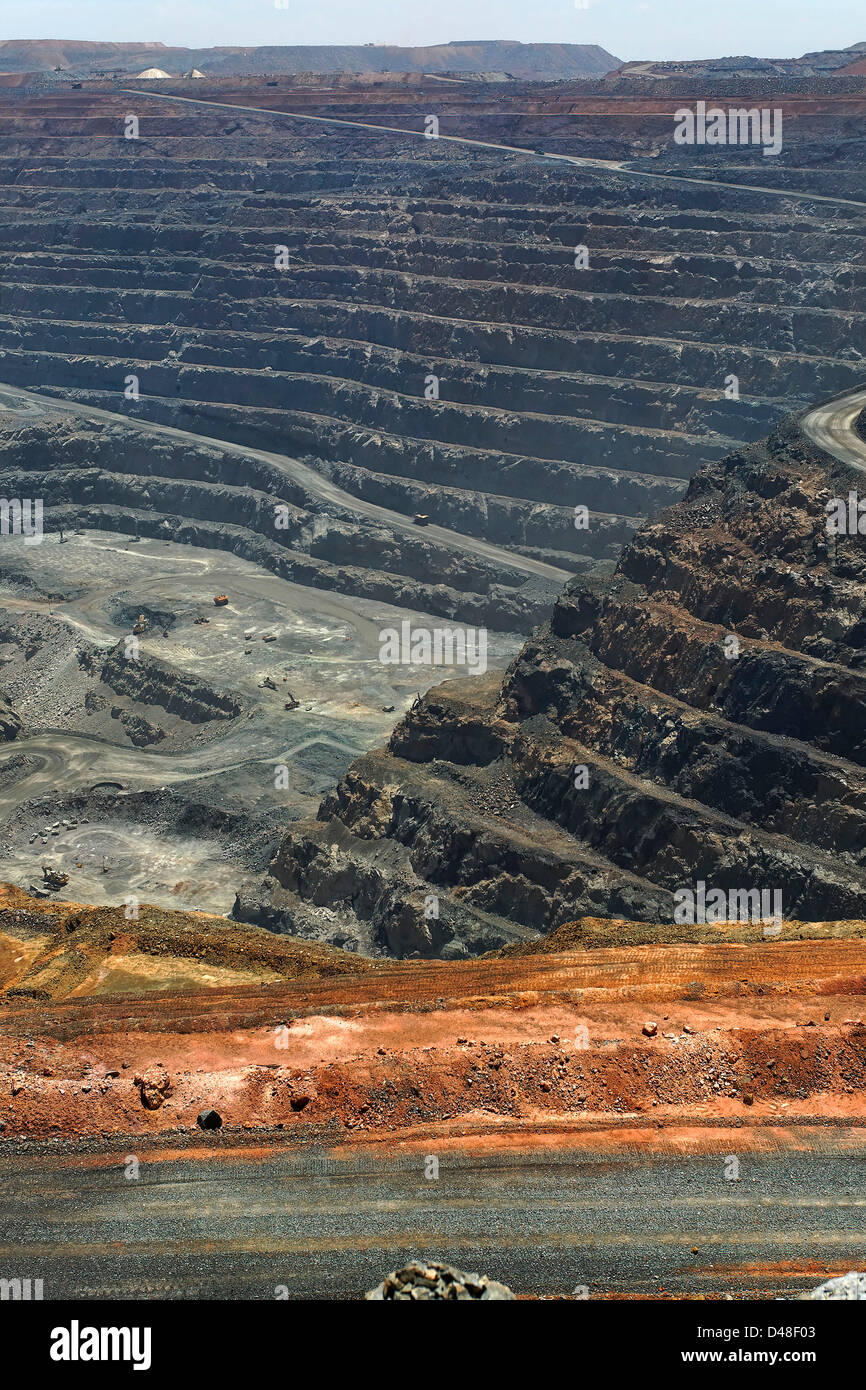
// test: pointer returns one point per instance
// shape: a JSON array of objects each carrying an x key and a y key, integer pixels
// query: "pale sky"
[{"x": 626, "y": 28}]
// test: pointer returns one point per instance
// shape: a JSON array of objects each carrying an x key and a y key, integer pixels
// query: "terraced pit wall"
[
  {"x": 692, "y": 726},
  {"x": 429, "y": 343}
]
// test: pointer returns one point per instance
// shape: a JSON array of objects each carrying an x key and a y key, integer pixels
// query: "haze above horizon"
[{"x": 631, "y": 29}]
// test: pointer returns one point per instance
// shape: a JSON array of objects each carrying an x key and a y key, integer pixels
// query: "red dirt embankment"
[{"x": 639, "y": 1037}]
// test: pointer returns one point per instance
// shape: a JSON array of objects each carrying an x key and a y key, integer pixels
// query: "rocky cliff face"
[
  {"x": 10, "y": 724},
  {"x": 153, "y": 682},
  {"x": 696, "y": 720}
]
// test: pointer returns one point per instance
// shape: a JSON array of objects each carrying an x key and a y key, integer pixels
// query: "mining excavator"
[{"x": 53, "y": 878}]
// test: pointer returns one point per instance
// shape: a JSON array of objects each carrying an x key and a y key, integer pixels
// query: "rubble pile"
[{"x": 422, "y": 1280}]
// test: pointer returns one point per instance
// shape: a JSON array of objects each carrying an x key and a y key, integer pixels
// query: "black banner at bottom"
[{"x": 650, "y": 1337}]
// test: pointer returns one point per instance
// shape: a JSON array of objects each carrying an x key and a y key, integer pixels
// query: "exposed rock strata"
[
  {"x": 152, "y": 682},
  {"x": 10, "y": 724},
  {"x": 123, "y": 479},
  {"x": 411, "y": 260},
  {"x": 697, "y": 718}
]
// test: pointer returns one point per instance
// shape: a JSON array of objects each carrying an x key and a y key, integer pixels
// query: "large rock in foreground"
[
  {"x": 848, "y": 1286},
  {"x": 421, "y": 1281}
]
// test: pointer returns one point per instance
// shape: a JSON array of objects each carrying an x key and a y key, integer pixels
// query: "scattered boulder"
[
  {"x": 851, "y": 1285},
  {"x": 154, "y": 1087},
  {"x": 424, "y": 1280},
  {"x": 209, "y": 1119}
]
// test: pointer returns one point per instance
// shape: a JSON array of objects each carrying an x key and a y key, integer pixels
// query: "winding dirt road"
[
  {"x": 608, "y": 166},
  {"x": 31, "y": 403},
  {"x": 831, "y": 427}
]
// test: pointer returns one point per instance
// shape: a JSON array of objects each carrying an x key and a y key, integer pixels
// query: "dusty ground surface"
[
  {"x": 61, "y": 950},
  {"x": 571, "y": 1223},
  {"x": 151, "y": 789},
  {"x": 133, "y": 1028},
  {"x": 640, "y": 1120}
]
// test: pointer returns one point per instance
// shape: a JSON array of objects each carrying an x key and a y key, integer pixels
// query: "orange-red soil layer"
[{"x": 637, "y": 1045}]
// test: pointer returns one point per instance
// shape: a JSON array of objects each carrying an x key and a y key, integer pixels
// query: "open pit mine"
[{"x": 432, "y": 674}]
